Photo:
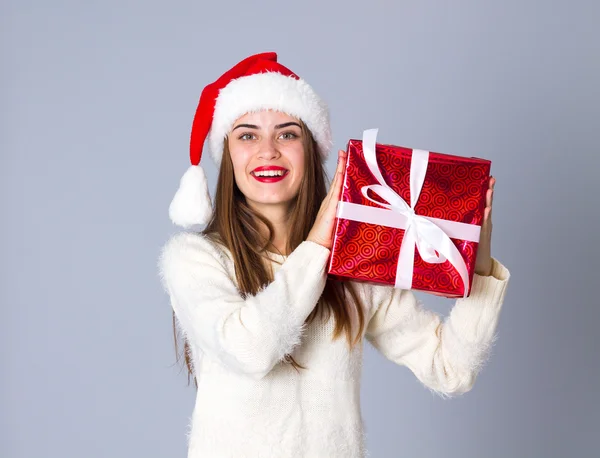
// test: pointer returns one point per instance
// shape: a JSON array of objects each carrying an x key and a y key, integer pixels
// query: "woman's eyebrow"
[
  {"x": 247, "y": 126},
  {"x": 287, "y": 124}
]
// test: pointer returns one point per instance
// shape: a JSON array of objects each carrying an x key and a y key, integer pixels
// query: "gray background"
[{"x": 97, "y": 100}]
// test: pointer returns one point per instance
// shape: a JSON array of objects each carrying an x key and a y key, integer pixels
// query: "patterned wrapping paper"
[{"x": 454, "y": 189}]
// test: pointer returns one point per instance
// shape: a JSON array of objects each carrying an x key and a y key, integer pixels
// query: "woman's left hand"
[{"x": 483, "y": 263}]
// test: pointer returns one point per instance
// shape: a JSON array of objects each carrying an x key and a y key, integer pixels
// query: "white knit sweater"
[{"x": 251, "y": 404}]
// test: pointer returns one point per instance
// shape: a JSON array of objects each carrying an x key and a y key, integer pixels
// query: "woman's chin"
[{"x": 271, "y": 201}]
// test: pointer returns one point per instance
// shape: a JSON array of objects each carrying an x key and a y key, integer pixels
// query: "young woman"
[{"x": 274, "y": 346}]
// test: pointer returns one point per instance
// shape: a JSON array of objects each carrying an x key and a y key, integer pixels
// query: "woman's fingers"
[
  {"x": 339, "y": 169},
  {"x": 336, "y": 184},
  {"x": 487, "y": 214},
  {"x": 490, "y": 199}
]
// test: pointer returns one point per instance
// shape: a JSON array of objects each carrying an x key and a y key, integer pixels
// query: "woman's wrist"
[
  {"x": 317, "y": 241},
  {"x": 485, "y": 270}
]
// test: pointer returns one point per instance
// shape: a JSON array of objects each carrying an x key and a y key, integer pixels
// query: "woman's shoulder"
[{"x": 185, "y": 249}]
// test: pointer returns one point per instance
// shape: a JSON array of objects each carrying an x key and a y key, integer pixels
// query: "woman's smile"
[{"x": 269, "y": 173}]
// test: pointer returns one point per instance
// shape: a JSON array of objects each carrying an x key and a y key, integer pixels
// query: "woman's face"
[{"x": 267, "y": 153}]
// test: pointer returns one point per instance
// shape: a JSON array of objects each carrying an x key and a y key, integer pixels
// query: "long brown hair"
[{"x": 237, "y": 227}]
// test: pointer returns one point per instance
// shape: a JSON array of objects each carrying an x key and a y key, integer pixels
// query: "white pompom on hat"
[{"x": 256, "y": 83}]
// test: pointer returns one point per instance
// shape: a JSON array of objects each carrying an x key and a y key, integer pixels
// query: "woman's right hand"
[{"x": 322, "y": 230}]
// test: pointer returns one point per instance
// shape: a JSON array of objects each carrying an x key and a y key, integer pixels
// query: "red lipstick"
[{"x": 269, "y": 173}]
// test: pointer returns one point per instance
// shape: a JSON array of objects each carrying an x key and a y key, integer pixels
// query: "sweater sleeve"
[
  {"x": 445, "y": 356},
  {"x": 247, "y": 335}
]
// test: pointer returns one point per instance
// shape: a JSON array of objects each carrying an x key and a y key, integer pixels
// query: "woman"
[{"x": 274, "y": 346}]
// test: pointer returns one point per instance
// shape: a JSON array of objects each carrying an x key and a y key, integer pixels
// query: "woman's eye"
[
  {"x": 246, "y": 136},
  {"x": 289, "y": 136}
]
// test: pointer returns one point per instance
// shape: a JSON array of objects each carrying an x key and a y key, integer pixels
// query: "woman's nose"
[{"x": 268, "y": 150}]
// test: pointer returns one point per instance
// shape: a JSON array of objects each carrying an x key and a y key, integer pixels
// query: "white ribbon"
[{"x": 427, "y": 234}]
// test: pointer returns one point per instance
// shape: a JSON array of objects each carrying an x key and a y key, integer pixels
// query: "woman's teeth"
[{"x": 269, "y": 173}]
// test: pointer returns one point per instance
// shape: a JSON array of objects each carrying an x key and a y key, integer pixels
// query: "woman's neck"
[{"x": 278, "y": 216}]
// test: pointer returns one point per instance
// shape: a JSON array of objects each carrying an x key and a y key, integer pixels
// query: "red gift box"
[{"x": 429, "y": 244}]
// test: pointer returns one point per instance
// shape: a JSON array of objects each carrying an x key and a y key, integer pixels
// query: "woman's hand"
[
  {"x": 322, "y": 230},
  {"x": 483, "y": 263}
]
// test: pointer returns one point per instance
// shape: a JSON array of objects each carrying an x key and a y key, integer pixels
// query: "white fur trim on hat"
[
  {"x": 191, "y": 204},
  {"x": 269, "y": 91}
]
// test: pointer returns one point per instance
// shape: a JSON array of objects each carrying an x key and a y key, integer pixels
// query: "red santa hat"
[{"x": 256, "y": 83}]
